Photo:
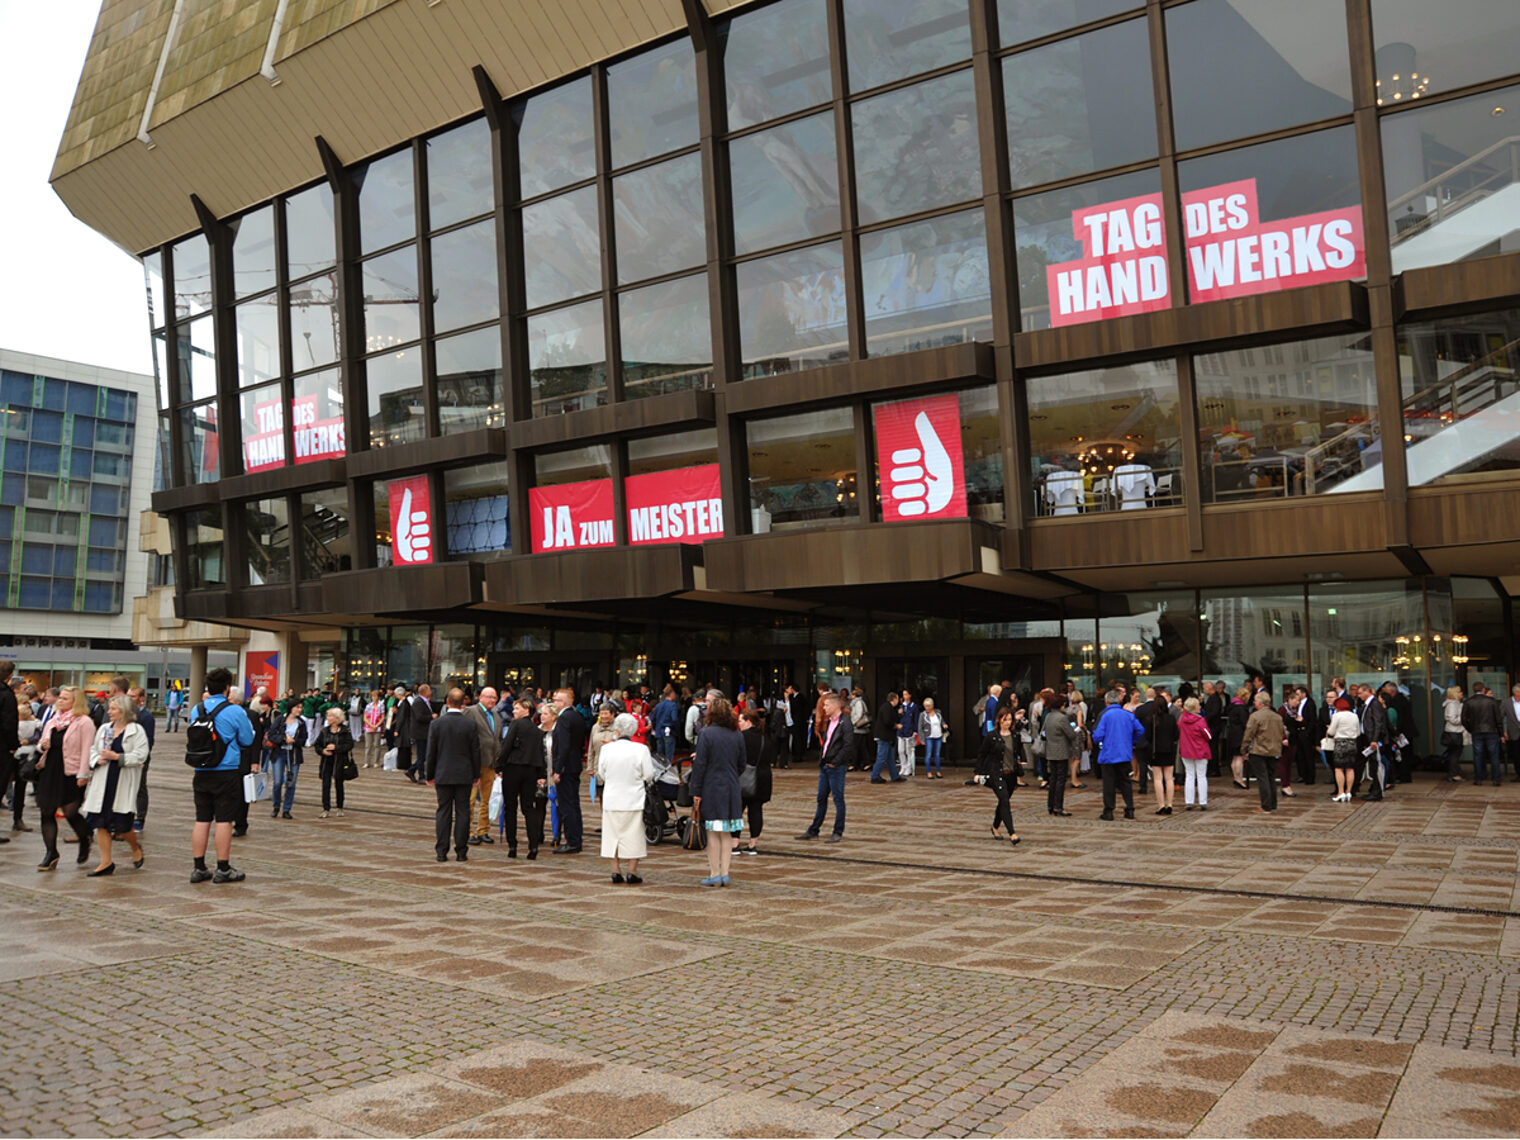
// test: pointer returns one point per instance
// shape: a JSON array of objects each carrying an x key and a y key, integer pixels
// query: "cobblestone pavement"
[{"x": 1333, "y": 969}]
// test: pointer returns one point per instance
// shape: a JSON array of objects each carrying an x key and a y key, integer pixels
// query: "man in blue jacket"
[
  {"x": 664, "y": 721},
  {"x": 1116, "y": 733},
  {"x": 219, "y": 790}
]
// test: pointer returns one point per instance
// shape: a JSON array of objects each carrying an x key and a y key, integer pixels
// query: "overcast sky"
[{"x": 65, "y": 291}]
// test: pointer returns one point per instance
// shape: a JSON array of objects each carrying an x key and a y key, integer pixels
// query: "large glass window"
[
  {"x": 1243, "y": 68},
  {"x": 802, "y": 470},
  {"x": 1461, "y": 392},
  {"x": 268, "y": 531},
  {"x": 464, "y": 277},
  {"x": 1425, "y": 48},
  {"x": 562, "y": 249},
  {"x": 387, "y": 207},
  {"x": 153, "y": 276},
  {"x": 192, "y": 276},
  {"x": 792, "y": 311},
  {"x": 886, "y": 42},
  {"x": 203, "y": 531},
  {"x": 197, "y": 359},
  {"x": 554, "y": 138},
  {"x": 1452, "y": 173},
  {"x": 1368, "y": 633},
  {"x": 666, "y": 337},
  {"x": 469, "y": 381},
  {"x": 309, "y": 233},
  {"x": 979, "y": 463},
  {"x": 567, "y": 359},
  {"x": 672, "y": 450},
  {"x": 380, "y": 494},
  {"x": 253, "y": 252},
  {"x": 1254, "y": 633},
  {"x": 785, "y": 184},
  {"x": 314, "y": 322},
  {"x": 258, "y": 340},
  {"x": 576, "y": 465},
  {"x": 926, "y": 284},
  {"x": 776, "y": 61},
  {"x": 476, "y": 509},
  {"x": 982, "y": 453},
  {"x": 1022, "y": 20},
  {"x": 1080, "y": 104},
  {"x": 655, "y": 211},
  {"x": 459, "y": 178},
  {"x": 916, "y": 148},
  {"x": 263, "y": 415},
  {"x": 652, "y": 103},
  {"x": 317, "y": 416},
  {"x": 327, "y": 546},
  {"x": 1108, "y": 439},
  {"x": 201, "y": 442},
  {"x": 1289, "y": 419},
  {"x": 394, "y": 384},
  {"x": 390, "y": 299},
  {"x": 1150, "y": 638}
]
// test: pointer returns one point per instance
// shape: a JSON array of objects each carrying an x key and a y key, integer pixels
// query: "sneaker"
[
  {"x": 200, "y": 875},
  {"x": 230, "y": 875}
]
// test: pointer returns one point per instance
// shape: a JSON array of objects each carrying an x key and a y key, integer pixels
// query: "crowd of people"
[{"x": 497, "y": 760}]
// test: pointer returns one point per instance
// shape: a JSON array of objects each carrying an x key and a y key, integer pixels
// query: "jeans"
[
  {"x": 282, "y": 779},
  {"x": 173, "y": 719},
  {"x": 830, "y": 782},
  {"x": 665, "y": 747},
  {"x": 1264, "y": 768},
  {"x": 884, "y": 752},
  {"x": 1486, "y": 757},
  {"x": 932, "y": 748},
  {"x": 1197, "y": 781},
  {"x": 906, "y": 752}
]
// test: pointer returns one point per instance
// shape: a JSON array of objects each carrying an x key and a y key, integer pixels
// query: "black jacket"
[
  {"x": 1481, "y": 714},
  {"x": 453, "y": 750},
  {"x": 1374, "y": 719},
  {"x": 344, "y": 741},
  {"x": 523, "y": 746},
  {"x": 10, "y": 738},
  {"x": 996, "y": 757},
  {"x": 841, "y": 745},
  {"x": 886, "y": 721},
  {"x": 569, "y": 735},
  {"x": 1404, "y": 711},
  {"x": 1161, "y": 734}
]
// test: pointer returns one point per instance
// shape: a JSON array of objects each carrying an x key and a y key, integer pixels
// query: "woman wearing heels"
[
  {"x": 1235, "y": 733},
  {"x": 1063, "y": 743},
  {"x": 995, "y": 769},
  {"x": 63, "y": 769},
  {"x": 110, "y": 803}
]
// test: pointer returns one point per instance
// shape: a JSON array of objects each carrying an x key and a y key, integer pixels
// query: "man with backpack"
[{"x": 215, "y": 737}]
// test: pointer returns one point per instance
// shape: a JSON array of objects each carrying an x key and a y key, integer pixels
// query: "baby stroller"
[{"x": 660, "y": 802}]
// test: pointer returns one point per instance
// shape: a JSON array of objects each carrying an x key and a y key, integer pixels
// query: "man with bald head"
[{"x": 489, "y": 726}]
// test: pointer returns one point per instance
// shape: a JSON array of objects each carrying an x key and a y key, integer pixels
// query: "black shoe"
[
  {"x": 807, "y": 835},
  {"x": 511, "y": 852},
  {"x": 633, "y": 880},
  {"x": 1129, "y": 814},
  {"x": 1061, "y": 812},
  {"x": 533, "y": 853},
  {"x": 487, "y": 839},
  {"x": 200, "y": 875},
  {"x": 1108, "y": 815},
  {"x": 275, "y": 814},
  {"x": 475, "y": 841},
  {"x": 99, "y": 872},
  {"x": 462, "y": 857},
  {"x": 568, "y": 850},
  {"x": 617, "y": 878},
  {"x": 230, "y": 875},
  {"x": 236, "y": 834},
  {"x": 443, "y": 858},
  {"x": 877, "y": 780},
  {"x": 286, "y": 815},
  {"x": 49, "y": 863},
  {"x": 84, "y": 851}
]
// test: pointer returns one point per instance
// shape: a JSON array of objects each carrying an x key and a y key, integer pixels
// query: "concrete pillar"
[{"x": 197, "y": 684}]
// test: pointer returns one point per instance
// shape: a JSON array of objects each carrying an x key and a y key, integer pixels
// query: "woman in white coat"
[
  {"x": 623, "y": 767},
  {"x": 110, "y": 802}
]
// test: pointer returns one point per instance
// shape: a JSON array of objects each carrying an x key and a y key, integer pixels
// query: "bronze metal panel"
[
  {"x": 576, "y": 577},
  {"x": 481, "y": 445},
  {"x": 185, "y": 498},
  {"x": 203, "y": 605},
  {"x": 884, "y": 375},
  {"x": 284, "y": 480},
  {"x": 1464, "y": 286},
  {"x": 1465, "y": 513},
  {"x": 636, "y": 417},
  {"x": 403, "y": 589}
]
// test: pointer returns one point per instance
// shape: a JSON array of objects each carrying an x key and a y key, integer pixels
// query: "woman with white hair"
[
  {"x": 624, "y": 766},
  {"x": 110, "y": 802}
]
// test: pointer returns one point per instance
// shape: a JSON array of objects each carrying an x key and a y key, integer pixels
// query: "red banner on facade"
[
  {"x": 571, "y": 516},
  {"x": 918, "y": 453},
  {"x": 685, "y": 505},
  {"x": 411, "y": 521},
  {"x": 315, "y": 439},
  {"x": 261, "y": 670},
  {"x": 265, "y": 447},
  {"x": 1123, "y": 268}
]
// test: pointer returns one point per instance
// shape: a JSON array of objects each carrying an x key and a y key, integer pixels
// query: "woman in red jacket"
[{"x": 1194, "y": 748}]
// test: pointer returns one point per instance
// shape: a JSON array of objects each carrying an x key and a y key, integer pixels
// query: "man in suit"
[
  {"x": 838, "y": 749},
  {"x": 799, "y": 715},
  {"x": 1301, "y": 719},
  {"x": 421, "y": 716},
  {"x": 569, "y": 751},
  {"x": 487, "y": 720},
  {"x": 1374, "y": 737},
  {"x": 401, "y": 731},
  {"x": 1213, "y": 716},
  {"x": 453, "y": 768}
]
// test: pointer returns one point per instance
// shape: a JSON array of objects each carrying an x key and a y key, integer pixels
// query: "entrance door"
[
  {"x": 1023, "y": 671},
  {"x": 504, "y": 671}
]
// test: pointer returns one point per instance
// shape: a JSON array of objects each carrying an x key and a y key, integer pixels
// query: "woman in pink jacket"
[
  {"x": 1193, "y": 747},
  {"x": 63, "y": 770}
]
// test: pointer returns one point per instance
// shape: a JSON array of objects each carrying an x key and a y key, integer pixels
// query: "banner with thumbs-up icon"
[
  {"x": 919, "y": 459},
  {"x": 411, "y": 521}
]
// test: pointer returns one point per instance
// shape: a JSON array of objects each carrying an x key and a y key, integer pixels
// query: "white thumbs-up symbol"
[
  {"x": 922, "y": 481},
  {"x": 413, "y": 534}
]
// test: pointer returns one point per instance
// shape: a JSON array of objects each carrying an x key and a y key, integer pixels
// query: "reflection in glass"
[
  {"x": 161, "y": 370},
  {"x": 1365, "y": 633},
  {"x": 1080, "y": 104},
  {"x": 554, "y": 143},
  {"x": 1452, "y": 173},
  {"x": 652, "y": 103},
  {"x": 309, "y": 231},
  {"x": 253, "y": 252},
  {"x": 476, "y": 509},
  {"x": 886, "y": 42},
  {"x": 562, "y": 253},
  {"x": 776, "y": 61},
  {"x": 792, "y": 311},
  {"x": 1108, "y": 439},
  {"x": 672, "y": 451},
  {"x": 394, "y": 387},
  {"x": 317, "y": 416},
  {"x": 153, "y": 275},
  {"x": 201, "y": 442},
  {"x": 197, "y": 359},
  {"x": 1151, "y": 638},
  {"x": 1022, "y": 20},
  {"x": 387, "y": 207},
  {"x": 191, "y": 261},
  {"x": 469, "y": 381},
  {"x": 389, "y": 284},
  {"x": 1289, "y": 419},
  {"x": 1423, "y": 49},
  {"x": 464, "y": 277},
  {"x": 263, "y": 415},
  {"x": 577, "y": 465},
  {"x": 203, "y": 530},
  {"x": 567, "y": 359},
  {"x": 925, "y": 284},
  {"x": 258, "y": 340},
  {"x": 314, "y": 321},
  {"x": 916, "y": 148},
  {"x": 384, "y": 540},
  {"x": 785, "y": 184},
  {"x": 666, "y": 337},
  {"x": 655, "y": 212},
  {"x": 1461, "y": 395},
  {"x": 1046, "y": 234},
  {"x": 982, "y": 453},
  {"x": 459, "y": 178},
  {"x": 1224, "y": 54},
  {"x": 326, "y": 545},
  {"x": 268, "y": 541},
  {"x": 802, "y": 471}
]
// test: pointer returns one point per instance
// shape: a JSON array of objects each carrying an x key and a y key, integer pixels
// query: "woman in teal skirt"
[{"x": 715, "y": 791}]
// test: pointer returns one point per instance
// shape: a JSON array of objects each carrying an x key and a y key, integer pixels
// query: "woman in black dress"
[
  {"x": 1235, "y": 733},
  {"x": 995, "y": 769},
  {"x": 63, "y": 769},
  {"x": 523, "y": 765},
  {"x": 760, "y": 751}
]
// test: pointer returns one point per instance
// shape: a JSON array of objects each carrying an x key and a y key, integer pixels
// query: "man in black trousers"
[
  {"x": 569, "y": 750},
  {"x": 453, "y": 768}
]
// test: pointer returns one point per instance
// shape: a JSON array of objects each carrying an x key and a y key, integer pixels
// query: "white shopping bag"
[
  {"x": 388, "y": 763},
  {"x": 494, "y": 806},
  {"x": 255, "y": 787}
]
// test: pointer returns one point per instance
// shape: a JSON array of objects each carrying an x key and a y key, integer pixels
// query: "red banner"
[
  {"x": 571, "y": 516},
  {"x": 1123, "y": 267},
  {"x": 1232, "y": 253},
  {"x": 411, "y": 521},
  {"x": 685, "y": 505},
  {"x": 261, "y": 670},
  {"x": 265, "y": 447},
  {"x": 918, "y": 455},
  {"x": 315, "y": 439}
]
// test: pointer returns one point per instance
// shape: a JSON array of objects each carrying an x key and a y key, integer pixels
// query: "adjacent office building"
[{"x": 904, "y": 342}]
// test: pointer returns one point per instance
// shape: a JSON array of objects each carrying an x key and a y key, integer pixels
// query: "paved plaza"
[{"x": 1336, "y": 970}]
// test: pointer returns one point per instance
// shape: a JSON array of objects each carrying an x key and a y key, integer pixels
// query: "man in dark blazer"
[
  {"x": 401, "y": 731},
  {"x": 798, "y": 723},
  {"x": 568, "y": 751},
  {"x": 453, "y": 768}
]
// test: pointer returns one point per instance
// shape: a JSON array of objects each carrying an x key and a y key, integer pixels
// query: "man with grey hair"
[
  {"x": 1263, "y": 744},
  {"x": 489, "y": 727}
]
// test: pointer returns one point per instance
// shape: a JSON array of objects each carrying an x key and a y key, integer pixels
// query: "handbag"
[
  {"x": 493, "y": 805},
  {"x": 26, "y": 766},
  {"x": 350, "y": 769},
  {"x": 748, "y": 782},
  {"x": 694, "y": 837},
  {"x": 1327, "y": 744}
]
